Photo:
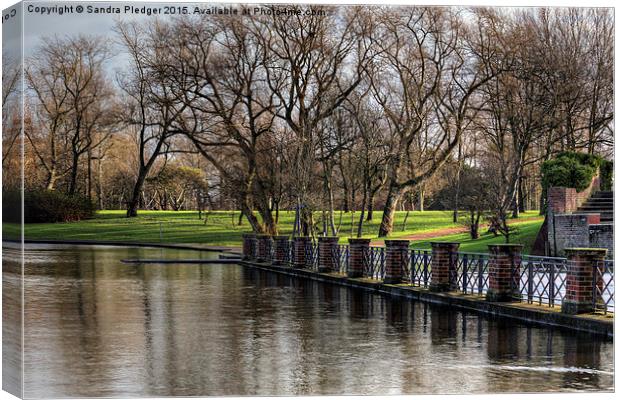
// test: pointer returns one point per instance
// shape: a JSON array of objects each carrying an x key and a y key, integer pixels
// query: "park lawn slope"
[
  {"x": 525, "y": 233},
  {"x": 221, "y": 227}
]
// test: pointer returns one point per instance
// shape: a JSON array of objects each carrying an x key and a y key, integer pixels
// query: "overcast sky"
[
  {"x": 42, "y": 19},
  {"x": 38, "y": 26}
]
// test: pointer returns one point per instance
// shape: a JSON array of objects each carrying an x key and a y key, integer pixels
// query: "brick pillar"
[
  {"x": 580, "y": 270},
  {"x": 327, "y": 251},
  {"x": 443, "y": 266},
  {"x": 281, "y": 250},
  {"x": 504, "y": 272},
  {"x": 299, "y": 251},
  {"x": 561, "y": 199},
  {"x": 358, "y": 257},
  {"x": 396, "y": 256},
  {"x": 264, "y": 248},
  {"x": 249, "y": 246}
]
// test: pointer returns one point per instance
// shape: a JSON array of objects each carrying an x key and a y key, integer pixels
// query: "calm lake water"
[{"x": 97, "y": 327}]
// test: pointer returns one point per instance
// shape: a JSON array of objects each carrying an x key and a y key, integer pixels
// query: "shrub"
[
  {"x": 45, "y": 206},
  {"x": 607, "y": 173},
  {"x": 568, "y": 169}
]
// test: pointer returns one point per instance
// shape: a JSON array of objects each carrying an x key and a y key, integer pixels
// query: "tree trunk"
[
  {"x": 53, "y": 173},
  {"x": 421, "y": 198},
  {"x": 269, "y": 225},
  {"x": 74, "y": 171},
  {"x": 254, "y": 223},
  {"x": 371, "y": 203},
  {"x": 542, "y": 203},
  {"x": 261, "y": 200},
  {"x": 99, "y": 182},
  {"x": 134, "y": 202},
  {"x": 51, "y": 180},
  {"x": 474, "y": 224},
  {"x": 515, "y": 207},
  {"x": 329, "y": 192},
  {"x": 457, "y": 192},
  {"x": 362, "y": 208},
  {"x": 303, "y": 220},
  {"x": 89, "y": 177},
  {"x": 391, "y": 202},
  {"x": 345, "y": 195},
  {"x": 324, "y": 222},
  {"x": 404, "y": 228},
  {"x": 307, "y": 223},
  {"x": 521, "y": 196}
]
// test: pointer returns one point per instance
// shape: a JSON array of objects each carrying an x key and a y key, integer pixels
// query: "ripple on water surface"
[{"x": 97, "y": 327}]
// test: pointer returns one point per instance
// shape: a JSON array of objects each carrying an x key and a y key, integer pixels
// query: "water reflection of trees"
[
  {"x": 198, "y": 330},
  {"x": 11, "y": 321}
]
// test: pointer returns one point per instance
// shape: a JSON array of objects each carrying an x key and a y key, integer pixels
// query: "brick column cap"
[
  {"x": 585, "y": 251},
  {"x": 396, "y": 242},
  {"x": 248, "y": 235},
  {"x": 359, "y": 241},
  {"x": 328, "y": 238}
]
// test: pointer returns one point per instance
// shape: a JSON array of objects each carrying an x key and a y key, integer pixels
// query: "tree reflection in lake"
[{"x": 198, "y": 330}]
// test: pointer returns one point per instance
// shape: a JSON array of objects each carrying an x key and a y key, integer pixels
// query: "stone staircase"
[{"x": 601, "y": 202}]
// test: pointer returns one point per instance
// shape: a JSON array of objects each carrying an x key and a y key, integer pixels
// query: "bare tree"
[
  {"x": 313, "y": 63},
  {"x": 74, "y": 102},
  {"x": 11, "y": 115},
  {"x": 151, "y": 107},
  {"x": 229, "y": 105},
  {"x": 423, "y": 67},
  {"x": 371, "y": 150}
]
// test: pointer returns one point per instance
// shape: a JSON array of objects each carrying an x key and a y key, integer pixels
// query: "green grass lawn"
[
  {"x": 222, "y": 229},
  {"x": 525, "y": 234}
]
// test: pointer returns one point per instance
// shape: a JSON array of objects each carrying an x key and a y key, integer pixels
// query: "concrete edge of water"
[{"x": 529, "y": 313}]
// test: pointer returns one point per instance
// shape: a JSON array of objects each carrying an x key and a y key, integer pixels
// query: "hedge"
[
  {"x": 45, "y": 206},
  {"x": 575, "y": 170},
  {"x": 607, "y": 173}
]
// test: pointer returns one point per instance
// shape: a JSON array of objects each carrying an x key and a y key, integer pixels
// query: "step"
[
  {"x": 606, "y": 194},
  {"x": 601, "y": 199},
  {"x": 596, "y": 202},
  {"x": 602, "y": 213},
  {"x": 595, "y": 207}
]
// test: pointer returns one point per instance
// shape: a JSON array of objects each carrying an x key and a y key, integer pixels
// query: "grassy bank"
[
  {"x": 525, "y": 234},
  {"x": 221, "y": 228}
]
